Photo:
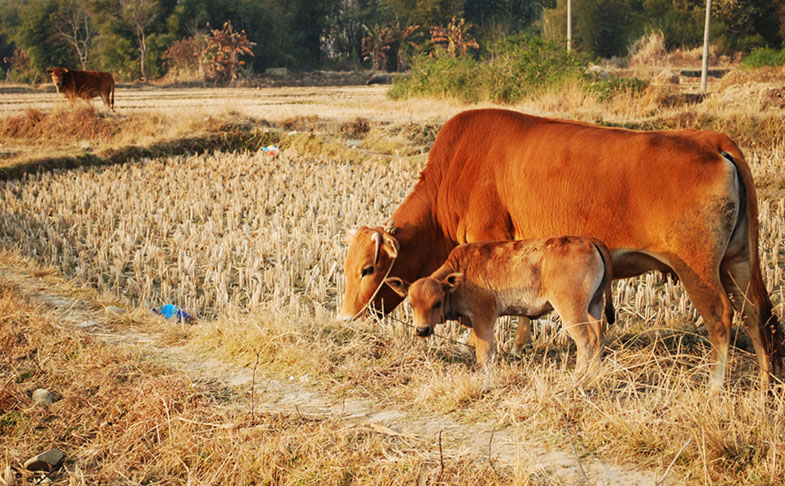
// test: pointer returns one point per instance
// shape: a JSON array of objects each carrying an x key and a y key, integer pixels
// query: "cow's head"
[
  {"x": 370, "y": 256},
  {"x": 58, "y": 75},
  {"x": 428, "y": 297}
]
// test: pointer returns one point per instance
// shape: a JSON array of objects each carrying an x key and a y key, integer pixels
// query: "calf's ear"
[
  {"x": 399, "y": 286},
  {"x": 452, "y": 281}
]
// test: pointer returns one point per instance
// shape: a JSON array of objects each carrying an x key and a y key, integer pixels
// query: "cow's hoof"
[{"x": 525, "y": 349}]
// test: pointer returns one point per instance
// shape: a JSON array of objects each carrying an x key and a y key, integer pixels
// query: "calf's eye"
[
  {"x": 437, "y": 305},
  {"x": 367, "y": 271}
]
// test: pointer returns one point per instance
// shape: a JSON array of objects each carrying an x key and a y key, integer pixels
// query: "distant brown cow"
[
  {"x": 481, "y": 281},
  {"x": 84, "y": 84}
]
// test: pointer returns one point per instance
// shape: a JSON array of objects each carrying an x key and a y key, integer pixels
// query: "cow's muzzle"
[{"x": 424, "y": 331}]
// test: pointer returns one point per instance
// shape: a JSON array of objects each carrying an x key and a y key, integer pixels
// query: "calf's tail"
[{"x": 607, "y": 279}]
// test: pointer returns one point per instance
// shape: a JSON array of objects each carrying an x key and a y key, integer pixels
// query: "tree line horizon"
[{"x": 228, "y": 39}]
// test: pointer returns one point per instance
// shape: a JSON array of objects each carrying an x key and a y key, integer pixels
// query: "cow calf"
[{"x": 481, "y": 281}]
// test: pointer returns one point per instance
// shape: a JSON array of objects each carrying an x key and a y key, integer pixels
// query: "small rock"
[
  {"x": 113, "y": 309},
  {"x": 379, "y": 79},
  {"x": 46, "y": 461},
  {"x": 42, "y": 396},
  {"x": 86, "y": 324}
]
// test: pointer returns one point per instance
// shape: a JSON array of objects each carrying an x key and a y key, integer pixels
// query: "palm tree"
[{"x": 453, "y": 39}]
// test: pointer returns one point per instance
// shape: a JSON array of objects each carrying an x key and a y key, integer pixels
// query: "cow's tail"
[
  {"x": 607, "y": 279},
  {"x": 111, "y": 102},
  {"x": 770, "y": 328}
]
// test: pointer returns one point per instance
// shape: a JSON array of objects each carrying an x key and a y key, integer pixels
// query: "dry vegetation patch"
[
  {"x": 83, "y": 123},
  {"x": 253, "y": 246},
  {"x": 121, "y": 418}
]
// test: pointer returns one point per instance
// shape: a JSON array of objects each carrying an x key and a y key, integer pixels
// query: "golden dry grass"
[
  {"x": 254, "y": 246},
  {"x": 123, "y": 419}
]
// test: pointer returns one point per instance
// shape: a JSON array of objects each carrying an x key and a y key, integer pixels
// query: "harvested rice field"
[{"x": 263, "y": 385}]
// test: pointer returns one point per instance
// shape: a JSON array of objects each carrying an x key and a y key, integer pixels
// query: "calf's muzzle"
[{"x": 424, "y": 331}]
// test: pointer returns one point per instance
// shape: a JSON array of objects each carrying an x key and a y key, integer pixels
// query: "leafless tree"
[
  {"x": 140, "y": 14},
  {"x": 74, "y": 24}
]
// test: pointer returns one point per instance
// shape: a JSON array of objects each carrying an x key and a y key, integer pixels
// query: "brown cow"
[
  {"x": 481, "y": 281},
  {"x": 673, "y": 201},
  {"x": 84, "y": 84}
]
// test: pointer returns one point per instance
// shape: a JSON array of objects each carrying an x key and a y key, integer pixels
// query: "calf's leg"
[
  {"x": 484, "y": 343},
  {"x": 584, "y": 325},
  {"x": 523, "y": 337}
]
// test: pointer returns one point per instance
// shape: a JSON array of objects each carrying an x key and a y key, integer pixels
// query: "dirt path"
[{"x": 484, "y": 440}]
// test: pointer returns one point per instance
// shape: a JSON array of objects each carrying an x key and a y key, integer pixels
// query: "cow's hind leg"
[
  {"x": 737, "y": 280},
  {"x": 707, "y": 294}
]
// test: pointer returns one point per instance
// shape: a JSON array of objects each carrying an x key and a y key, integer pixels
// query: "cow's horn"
[
  {"x": 377, "y": 238},
  {"x": 390, "y": 227}
]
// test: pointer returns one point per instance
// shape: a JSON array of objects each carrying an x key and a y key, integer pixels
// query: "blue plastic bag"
[{"x": 171, "y": 310}]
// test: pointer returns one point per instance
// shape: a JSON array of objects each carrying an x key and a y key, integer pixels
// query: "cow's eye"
[
  {"x": 367, "y": 271},
  {"x": 437, "y": 305}
]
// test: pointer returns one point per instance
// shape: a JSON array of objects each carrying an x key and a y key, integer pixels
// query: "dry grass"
[
  {"x": 81, "y": 129},
  {"x": 253, "y": 245},
  {"x": 648, "y": 50},
  {"x": 121, "y": 419}
]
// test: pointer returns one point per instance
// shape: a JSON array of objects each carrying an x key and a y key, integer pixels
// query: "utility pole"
[
  {"x": 569, "y": 25},
  {"x": 705, "y": 66}
]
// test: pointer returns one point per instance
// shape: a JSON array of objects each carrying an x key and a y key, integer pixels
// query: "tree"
[
  {"x": 405, "y": 38},
  {"x": 375, "y": 45},
  {"x": 37, "y": 37},
  {"x": 427, "y": 12},
  {"x": 73, "y": 23},
  {"x": 605, "y": 27},
  {"x": 223, "y": 51},
  {"x": 455, "y": 39},
  {"x": 140, "y": 15}
]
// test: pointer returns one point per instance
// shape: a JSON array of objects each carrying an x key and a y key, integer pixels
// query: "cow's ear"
[
  {"x": 399, "y": 286},
  {"x": 391, "y": 245},
  {"x": 350, "y": 236},
  {"x": 65, "y": 70},
  {"x": 452, "y": 281}
]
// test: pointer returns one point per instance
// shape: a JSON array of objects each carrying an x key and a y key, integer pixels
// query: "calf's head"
[
  {"x": 371, "y": 254},
  {"x": 428, "y": 297}
]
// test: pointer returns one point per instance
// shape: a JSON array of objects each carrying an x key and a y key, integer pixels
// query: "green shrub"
[
  {"x": 606, "y": 89},
  {"x": 516, "y": 67},
  {"x": 440, "y": 76},
  {"x": 761, "y": 57}
]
